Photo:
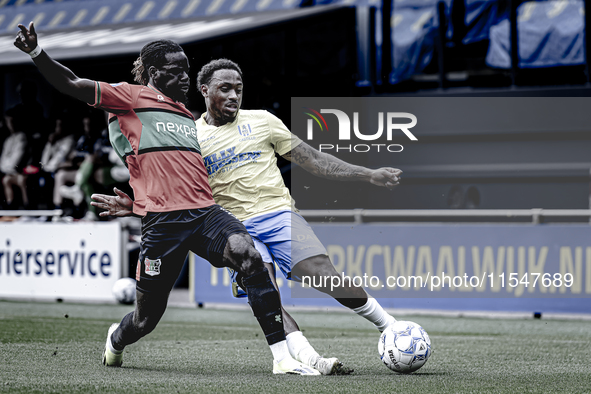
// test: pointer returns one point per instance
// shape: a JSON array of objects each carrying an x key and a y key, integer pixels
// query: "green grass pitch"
[{"x": 56, "y": 348}]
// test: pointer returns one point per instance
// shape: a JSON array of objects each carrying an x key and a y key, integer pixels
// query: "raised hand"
[{"x": 26, "y": 39}]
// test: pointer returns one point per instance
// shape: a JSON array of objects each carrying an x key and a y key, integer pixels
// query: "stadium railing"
[
  {"x": 35, "y": 212},
  {"x": 535, "y": 215}
]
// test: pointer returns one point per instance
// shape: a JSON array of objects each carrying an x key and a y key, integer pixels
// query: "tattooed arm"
[{"x": 328, "y": 166}]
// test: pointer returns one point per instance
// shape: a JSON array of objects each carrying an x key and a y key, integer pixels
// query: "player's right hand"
[
  {"x": 26, "y": 39},
  {"x": 120, "y": 205}
]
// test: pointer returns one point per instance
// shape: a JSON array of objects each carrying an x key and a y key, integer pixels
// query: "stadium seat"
[{"x": 550, "y": 34}]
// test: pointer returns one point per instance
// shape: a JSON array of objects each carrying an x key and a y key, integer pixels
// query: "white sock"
[
  {"x": 300, "y": 348},
  {"x": 374, "y": 312},
  {"x": 280, "y": 351}
]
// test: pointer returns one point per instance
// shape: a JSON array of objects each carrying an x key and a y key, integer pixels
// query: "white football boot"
[
  {"x": 331, "y": 366},
  {"x": 293, "y": 367}
]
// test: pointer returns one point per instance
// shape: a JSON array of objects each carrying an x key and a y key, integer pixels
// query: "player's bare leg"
[
  {"x": 353, "y": 297},
  {"x": 148, "y": 311}
]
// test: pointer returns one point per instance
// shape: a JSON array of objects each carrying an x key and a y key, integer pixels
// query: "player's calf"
[
  {"x": 266, "y": 305},
  {"x": 321, "y": 274}
]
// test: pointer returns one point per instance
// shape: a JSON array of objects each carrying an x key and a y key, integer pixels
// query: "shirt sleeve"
[
  {"x": 282, "y": 139},
  {"x": 116, "y": 98}
]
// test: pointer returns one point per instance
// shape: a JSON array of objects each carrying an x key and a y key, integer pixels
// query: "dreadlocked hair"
[
  {"x": 206, "y": 72},
  {"x": 152, "y": 54}
]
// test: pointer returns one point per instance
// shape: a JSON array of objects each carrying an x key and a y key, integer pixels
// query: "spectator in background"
[
  {"x": 99, "y": 167},
  {"x": 472, "y": 198},
  {"x": 27, "y": 117},
  {"x": 3, "y": 131},
  {"x": 12, "y": 162},
  {"x": 66, "y": 171},
  {"x": 59, "y": 145},
  {"x": 56, "y": 155}
]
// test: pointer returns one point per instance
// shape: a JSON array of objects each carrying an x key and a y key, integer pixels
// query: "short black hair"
[
  {"x": 206, "y": 72},
  {"x": 153, "y": 54}
]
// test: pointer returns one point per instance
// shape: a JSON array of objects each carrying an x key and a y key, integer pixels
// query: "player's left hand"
[
  {"x": 26, "y": 39},
  {"x": 386, "y": 176}
]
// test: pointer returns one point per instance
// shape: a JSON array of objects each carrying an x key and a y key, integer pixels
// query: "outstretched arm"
[
  {"x": 62, "y": 78},
  {"x": 119, "y": 205},
  {"x": 328, "y": 166}
]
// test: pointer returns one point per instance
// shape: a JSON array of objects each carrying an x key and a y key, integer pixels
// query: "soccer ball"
[
  {"x": 404, "y": 347},
  {"x": 124, "y": 290}
]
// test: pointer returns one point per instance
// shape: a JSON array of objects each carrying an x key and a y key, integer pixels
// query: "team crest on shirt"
[
  {"x": 152, "y": 266},
  {"x": 244, "y": 130},
  {"x": 160, "y": 98}
]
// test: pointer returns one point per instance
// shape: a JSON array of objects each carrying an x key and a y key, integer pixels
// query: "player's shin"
[{"x": 266, "y": 305}]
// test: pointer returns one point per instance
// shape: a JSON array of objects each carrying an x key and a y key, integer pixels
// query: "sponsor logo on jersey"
[
  {"x": 201, "y": 141},
  {"x": 173, "y": 127},
  {"x": 152, "y": 266},
  {"x": 229, "y": 159}
]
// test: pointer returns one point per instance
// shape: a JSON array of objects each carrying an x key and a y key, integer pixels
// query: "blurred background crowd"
[{"x": 56, "y": 162}]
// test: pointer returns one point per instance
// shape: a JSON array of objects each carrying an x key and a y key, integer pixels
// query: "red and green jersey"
[{"x": 156, "y": 138}]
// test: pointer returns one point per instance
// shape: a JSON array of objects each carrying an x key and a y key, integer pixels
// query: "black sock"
[{"x": 266, "y": 305}]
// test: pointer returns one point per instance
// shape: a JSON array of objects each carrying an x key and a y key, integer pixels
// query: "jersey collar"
[
  {"x": 203, "y": 115},
  {"x": 165, "y": 97}
]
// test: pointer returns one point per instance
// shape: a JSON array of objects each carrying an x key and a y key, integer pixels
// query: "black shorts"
[{"x": 167, "y": 237}]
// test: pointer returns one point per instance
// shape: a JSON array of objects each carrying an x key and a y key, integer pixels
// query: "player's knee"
[
  {"x": 242, "y": 255},
  {"x": 251, "y": 262}
]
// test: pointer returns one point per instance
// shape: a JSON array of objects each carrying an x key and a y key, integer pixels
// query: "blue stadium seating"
[
  {"x": 550, "y": 34},
  {"x": 480, "y": 16},
  {"x": 414, "y": 29}
]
